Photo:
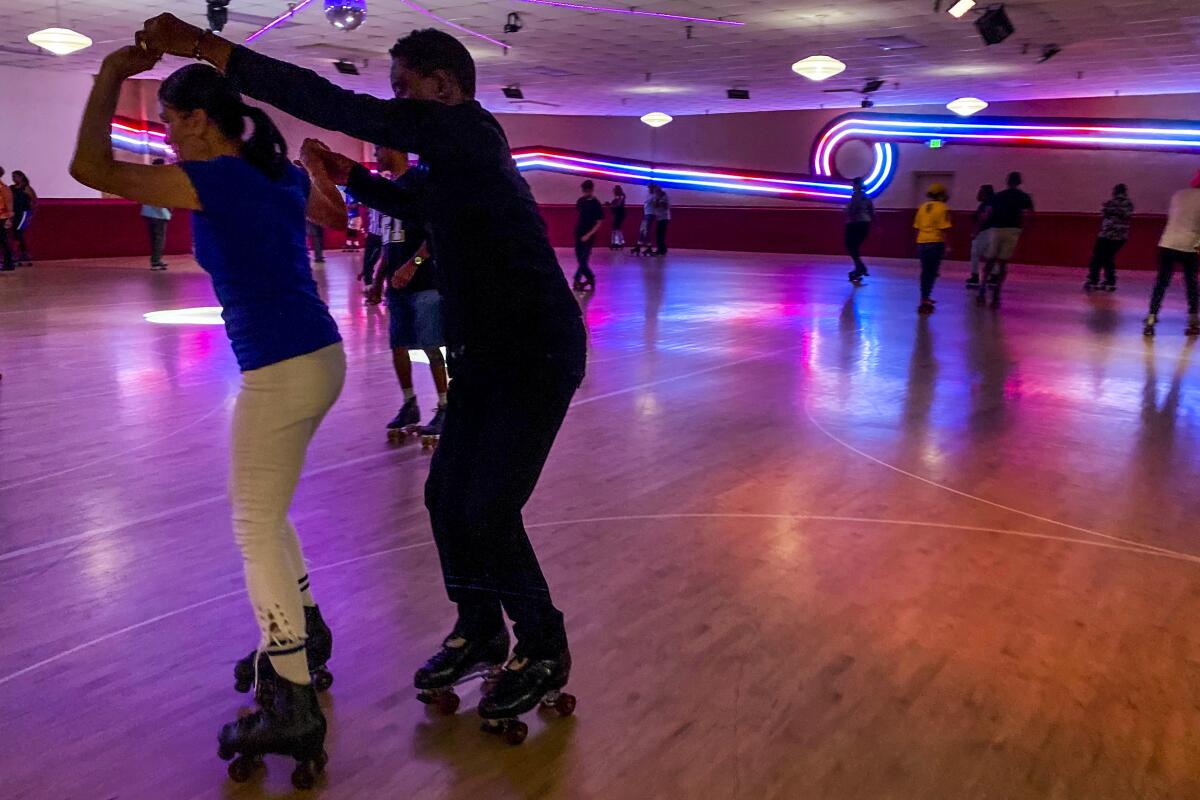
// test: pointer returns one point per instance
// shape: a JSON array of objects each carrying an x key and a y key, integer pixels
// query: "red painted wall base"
[{"x": 70, "y": 229}]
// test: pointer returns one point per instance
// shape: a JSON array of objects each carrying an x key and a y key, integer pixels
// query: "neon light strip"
[
  {"x": 143, "y": 131},
  {"x": 454, "y": 25},
  {"x": 291, "y": 12},
  {"x": 634, "y": 11}
]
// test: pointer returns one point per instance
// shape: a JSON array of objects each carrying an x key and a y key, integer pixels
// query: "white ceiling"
[{"x": 597, "y": 63}]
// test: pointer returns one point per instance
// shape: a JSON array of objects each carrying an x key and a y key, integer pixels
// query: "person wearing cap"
[
  {"x": 1009, "y": 208},
  {"x": 931, "y": 223},
  {"x": 1178, "y": 247}
]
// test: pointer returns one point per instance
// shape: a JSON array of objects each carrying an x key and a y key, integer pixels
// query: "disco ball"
[{"x": 345, "y": 15}]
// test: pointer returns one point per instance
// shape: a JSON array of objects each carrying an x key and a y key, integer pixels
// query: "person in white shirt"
[{"x": 1179, "y": 246}]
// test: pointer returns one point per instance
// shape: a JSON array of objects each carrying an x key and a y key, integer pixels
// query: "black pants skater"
[
  {"x": 1168, "y": 259},
  {"x": 931, "y": 263},
  {"x": 158, "y": 239},
  {"x": 502, "y": 418},
  {"x": 372, "y": 252},
  {"x": 1104, "y": 257},
  {"x": 856, "y": 234},
  {"x": 661, "y": 226},
  {"x": 583, "y": 255}
]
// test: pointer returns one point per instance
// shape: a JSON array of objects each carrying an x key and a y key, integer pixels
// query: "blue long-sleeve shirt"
[{"x": 500, "y": 281}]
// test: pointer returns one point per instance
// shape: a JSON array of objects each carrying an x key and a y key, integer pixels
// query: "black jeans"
[
  {"x": 317, "y": 235},
  {"x": 1104, "y": 256},
  {"x": 856, "y": 234},
  {"x": 931, "y": 262},
  {"x": 662, "y": 236},
  {"x": 1168, "y": 259},
  {"x": 501, "y": 421},
  {"x": 583, "y": 254},
  {"x": 8, "y": 257},
  {"x": 158, "y": 239},
  {"x": 20, "y": 225},
  {"x": 372, "y": 252}
]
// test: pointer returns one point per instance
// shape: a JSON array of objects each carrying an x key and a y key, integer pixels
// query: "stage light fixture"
[
  {"x": 218, "y": 15},
  {"x": 513, "y": 92},
  {"x": 994, "y": 26},
  {"x": 1049, "y": 52},
  {"x": 818, "y": 68},
  {"x": 656, "y": 119},
  {"x": 966, "y": 106},
  {"x": 737, "y": 94},
  {"x": 867, "y": 102},
  {"x": 346, "y": 66},
  {"x": 961, "y": 7},
  {"x": 60, "y": 41},
  {"x": 345, "y": 15},
  {"x": 513, "y": 23}
]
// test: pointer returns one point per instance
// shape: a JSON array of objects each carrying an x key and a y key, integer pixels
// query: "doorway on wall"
[{"x": 921, "y": 181}]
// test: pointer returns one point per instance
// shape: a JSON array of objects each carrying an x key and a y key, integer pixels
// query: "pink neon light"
[
  {"x": 634, "y": 11},
  {"x": 143, "y": 131},
  {"x": 291, "y": 12},
  {"x": 663, "y": 171},
  {"x": 454, "y": 25}
]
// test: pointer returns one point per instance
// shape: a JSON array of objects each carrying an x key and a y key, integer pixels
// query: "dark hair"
[
  {"x": 617, "y": 190},
  {"x": 199, "y": 86},
  {"x": 587, "y": 186},
  {"x": 986, "y": 192},
  {"x": 1120, "y": 188},
  {"x": 1014, "y": 179},
  {"x": 428, "y": 50},
  {"x": 18, "y": 174}
]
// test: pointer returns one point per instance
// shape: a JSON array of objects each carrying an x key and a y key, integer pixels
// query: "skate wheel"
[
  {"x": 302, "y": 776},
  {"x": 447, "y": 703},
  {"x": 322, "y": 679},
  {"x": 491, "y": 726},
  {"x": 242, "y": 686},
  {"x": 516, "y": 732},
  {"x": 565, "y": 705},
  {"x": 225, "y": 752},
  {"x": 241, "y": 768}
]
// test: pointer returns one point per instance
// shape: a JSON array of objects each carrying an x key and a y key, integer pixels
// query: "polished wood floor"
[{"x": 809, "y": 545}]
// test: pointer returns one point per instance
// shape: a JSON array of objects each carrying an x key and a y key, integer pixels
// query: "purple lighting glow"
[
  {"x": 633, "y": 11},
  {"x": 291, "y": 12},
  {"x": 455, "y": 25}
]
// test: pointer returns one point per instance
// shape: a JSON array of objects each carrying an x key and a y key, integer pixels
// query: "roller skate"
[
  {"x": 459, "y": 660},
  {"x": 406, "y": 421},
  {"x": 1109, "y": 286},
  {"x": 856, "y": 276},
  {"x": 1193, "y": 326},
  {"x": 291, "y": 724},
  {"x": 1148, "y": 325},
  {"x": 318, "y": 647},
  {"x": 525, "y": 684},
  {"x": 1092, "y": 286},
  {"x": 927, "y": 307},
  {"x": 973, "y": 281},
  {"x": 431, "y": 433}
]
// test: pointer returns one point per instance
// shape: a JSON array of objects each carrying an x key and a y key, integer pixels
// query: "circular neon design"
[{"x": 203, "y": 315}]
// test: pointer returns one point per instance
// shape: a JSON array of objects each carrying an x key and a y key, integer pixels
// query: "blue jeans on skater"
[{"x": 931, "y": 262}]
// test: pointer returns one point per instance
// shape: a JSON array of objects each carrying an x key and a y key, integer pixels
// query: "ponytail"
[
  {"x": 199, "y": 86},
  {"x": 265, "y": 148}
]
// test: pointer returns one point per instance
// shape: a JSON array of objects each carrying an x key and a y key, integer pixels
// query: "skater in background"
[
  {"x": 587, "y": 224},
  {"x": 1116, "y": 215},
  {"x": 413, "y": 304},
  {"x": 662, "y": 219},
  {"x": 860, "y": 212},
  {"x": 24, "y": 203},
  {"x": 233, "y": 167},
  {"x": 316, "y": 238},
  {"x": 157, "y": 218},
  {"x": 931, "y": 223},
  {"x": 6, "y": 224},
  {"x": 1178, "y": 248},
  {"x": 647, "y": 228},
  {"x": 354, "y": 224},
  {"x": 372, "y": 251},
  {"x": 503, "y": 292},
  {"x": 617, "y": 205},
  {"x": 979, "y": 237},
  {"x": 1007, "y": 217}
]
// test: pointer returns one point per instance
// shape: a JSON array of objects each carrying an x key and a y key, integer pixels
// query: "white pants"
[
  {"x": 978, "y": 248},
  {"x": 276, "y": 415}
]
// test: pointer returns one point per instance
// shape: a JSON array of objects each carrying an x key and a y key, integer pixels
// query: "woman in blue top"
[{"x": 286, "y": 344}]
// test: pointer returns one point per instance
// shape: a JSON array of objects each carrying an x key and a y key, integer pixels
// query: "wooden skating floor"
[{"x": 808, "y": 544}]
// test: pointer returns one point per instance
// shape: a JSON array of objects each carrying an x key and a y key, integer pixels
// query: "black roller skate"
[
  {"x": 431, "y": 433},
  {"x": 927, "y": 307},
  {"x": 291, "y": 724},
  {"x": 856, "y": 277},
  {"x": 1092, "y": 286},
  {"x": 318, "y": 647},
  {"x": 459, "y": 660},
  {"x": 1148, "y": 325},
  {"x": 973, "y": 281},
  {"x": 1109, "y": 286},
  {"x": 407, "y": 419},
  {"x": 1193, "y": 326},
  {"x": 523, "y": 685}
]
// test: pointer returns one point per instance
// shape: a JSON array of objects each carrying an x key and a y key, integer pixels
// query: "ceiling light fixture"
[
  {"x": 818, "y": 68},
  {"x": 656, "y": 119},
  {"x": 966, "y": 106},
  {"x": 345, "y": 15},
  {"x": 1049, "y": 52},
  {"x": 60, "y": 41},
  {"x": 634, "y": 11},
  {"x": 961, "y": 7},
  {"x": 513, "y": 92}
]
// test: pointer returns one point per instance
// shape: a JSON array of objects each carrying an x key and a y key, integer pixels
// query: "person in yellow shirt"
[{"x": 931, "y": 223}]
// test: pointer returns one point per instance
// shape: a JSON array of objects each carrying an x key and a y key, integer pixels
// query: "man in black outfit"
[
  {"x": 591, "y": 213},
  {"x": 513, "y": 327}
]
